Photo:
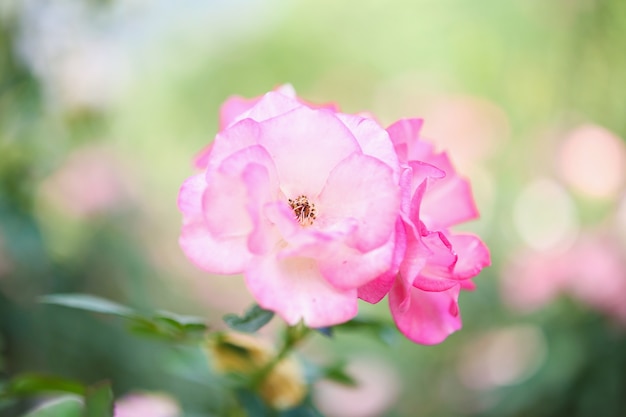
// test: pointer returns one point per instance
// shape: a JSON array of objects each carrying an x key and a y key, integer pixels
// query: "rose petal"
[
  {"x": 226, "y": 200},
  {"x": 373, "y": 139},
  {"x": 430, "y": 317},
  {"x": 295, "y": 289},
  {"x": 233, "y": 108},
  {"x": 190, "y": 197},
  {"x": 473, "y": 255},
  {"x": 448, "y": 201},
  {"x": 237, "y": 137},
  {"x": 306, "y": 145},
  {"x": 219, "y": 256},
  {"x": 404, "y": 133},
  {"x": 375, "y": 290},
  {"x": 362, "y": 188}
]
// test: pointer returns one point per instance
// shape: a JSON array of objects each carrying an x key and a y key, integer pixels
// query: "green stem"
[{"x": 292, "y": 337}]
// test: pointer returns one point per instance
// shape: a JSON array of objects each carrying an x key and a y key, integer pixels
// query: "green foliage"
[
  {"x": 67, "y": 406},
  {"x": 381, "y": 330},
  {"x": 89, "y": 303},
  {"x": 85, "y": 401},
  {"x": 253, "y": 319},
  {"x": 161, "y": 324},
  {"x": 99, "y": 401},
  {"x": 31, "y": 383},
  {"x": 336, "y": 373}
]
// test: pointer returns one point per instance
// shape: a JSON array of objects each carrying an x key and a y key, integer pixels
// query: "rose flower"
[{"x": 302, "y": 201}]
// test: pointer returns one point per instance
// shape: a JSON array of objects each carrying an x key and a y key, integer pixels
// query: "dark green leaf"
[
  {"x": 253, "y": 320},
  {"x": 99, "y": 401},
  {"x": 29, "y": 384},
  {"x": 89, "y": 303},
  {"x": 68, "y": 406}
]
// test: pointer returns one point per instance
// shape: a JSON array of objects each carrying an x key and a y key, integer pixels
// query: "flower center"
[{"x": 304, "y": 210}]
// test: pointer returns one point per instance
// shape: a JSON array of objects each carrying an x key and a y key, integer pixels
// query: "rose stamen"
[{"x": 304, "y": 210}]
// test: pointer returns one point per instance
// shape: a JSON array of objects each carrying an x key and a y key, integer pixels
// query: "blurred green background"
[{"x": 103, "y": 105}]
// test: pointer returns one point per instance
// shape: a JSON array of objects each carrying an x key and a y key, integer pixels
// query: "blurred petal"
[{"x": 220, "y": 256}]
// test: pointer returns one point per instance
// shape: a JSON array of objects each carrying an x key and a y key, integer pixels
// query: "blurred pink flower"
[
  {"x": 472, "y": 128},
  {"x": 437, "y": 263},
  {"x": 303, "y": 201},
  {"x": 377, "y": 387},
  {"x": 592, "y": 160},
  {"x": 146, "y": 405},
  {"x": 592, "y": 271},
  {"x": 91, "y": 181}
]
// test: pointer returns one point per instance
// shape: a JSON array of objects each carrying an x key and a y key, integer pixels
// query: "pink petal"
[
  {"x": 272, "y": 104},
  {"x": 467, "y": 284},
  {"x": 201, "y": 160},
  {"x": 295, "y": 290},
  {"x": 423, "y": 172},
  {"x": 449, "y": 201},
  {"x": 237, "y": 137},
  {"x": 219, "y": 256},
  {"x": 233, "y": 108},
  {"x": 348, "y": 268},
  {"x": 473, "y": 255},
  {"x": 362, "y": 188},
  {"x": 227, "y": 199},
  {"x": 306, "y": 145},
  {"x": 190, "y": 197},
  {"x": 442, "y": 259},
  {"x": 429, "y": 317},
  {"x": 373, "y": 139},
  {"x": 223, "y": 256},
  {"x": 454, "y": 258},
  {"x": 417, "y": 254},
  {"x": 237, "y": 108},
  {"x": 374, "y": 291},
  {"x": 262, "y": 186},
  {"x": 224, "y": 205},
  {"x": 403, "y": 134},
  {"x": 343, "y": 266}
]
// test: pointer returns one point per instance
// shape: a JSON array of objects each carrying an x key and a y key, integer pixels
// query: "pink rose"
[
  {"x": 303, "y": 201},
  {"x": 437, "y": 263}
]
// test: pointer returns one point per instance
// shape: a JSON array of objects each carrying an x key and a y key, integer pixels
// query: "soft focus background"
[{"x": 103, "y": 105}]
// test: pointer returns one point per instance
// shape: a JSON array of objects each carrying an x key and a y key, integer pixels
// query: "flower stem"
[{"x": 293, "y": 335}]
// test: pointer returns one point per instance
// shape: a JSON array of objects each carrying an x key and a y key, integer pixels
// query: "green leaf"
[
  {"x": 182, "y": 320},
  {"x": 67, "y": 406},
  {"x": 382, "y": 330},
  {"x": 29, "y": 384},
  {"x": 166, "y": 328},
  {"x": 253, "y": 320},
  {"x": 337, "y": 373},
  {"x": 99, "y": 401},
  {"x": 89, "y": 303},
  {"x": 164, "y": 325}
]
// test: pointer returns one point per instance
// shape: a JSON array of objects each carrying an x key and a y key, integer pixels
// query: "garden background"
[{"x": 103, "y": 105}]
